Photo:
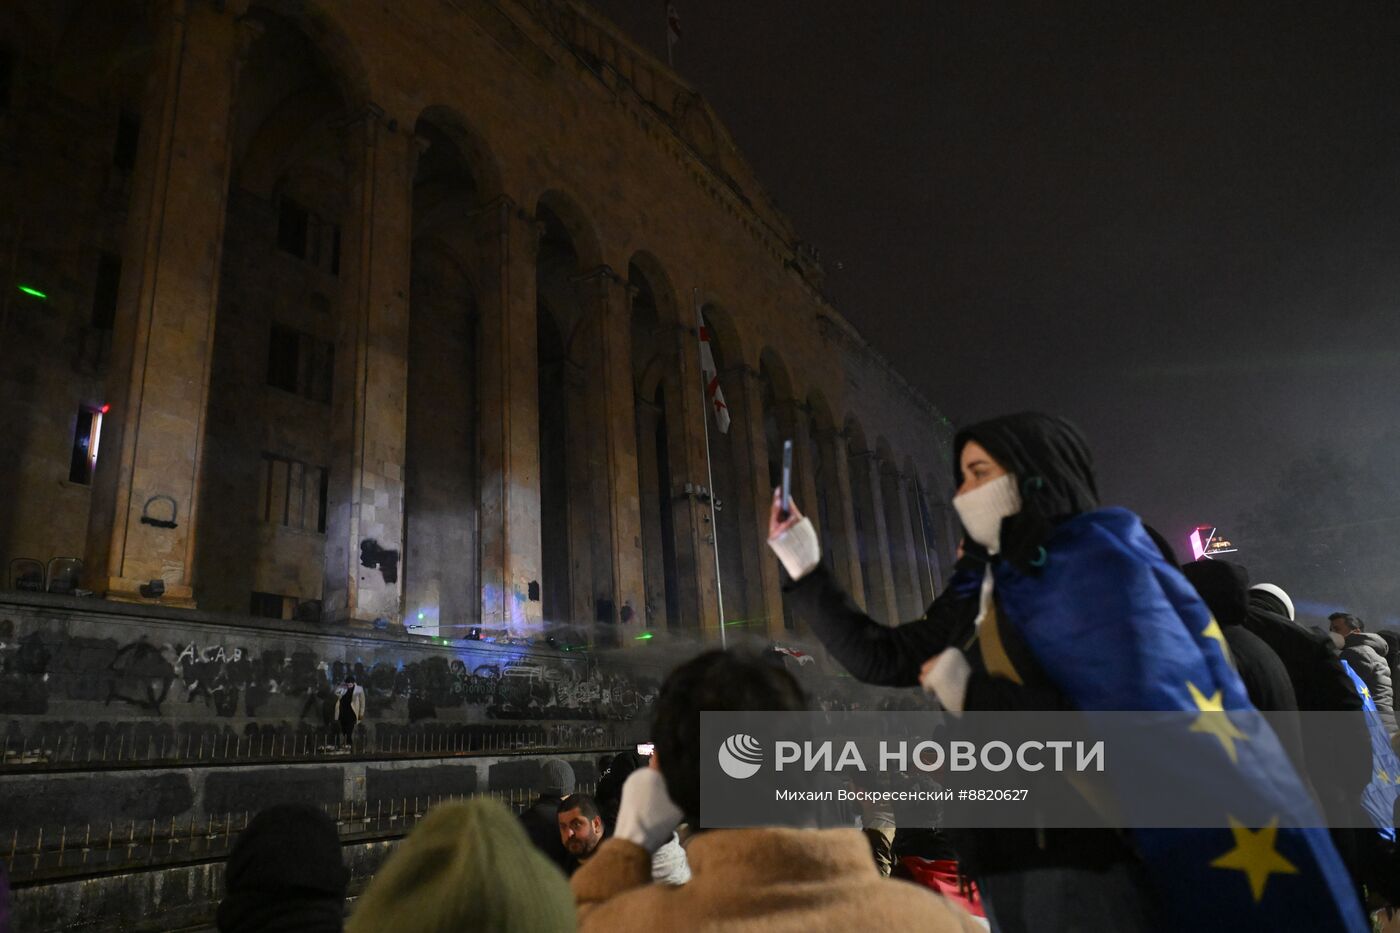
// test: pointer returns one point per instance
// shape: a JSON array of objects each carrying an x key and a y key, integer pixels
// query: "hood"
[
  {"x": 1054, "y": 472},
  {"x": 1368, "y": 640},
  {"x": 1223, "y": 586},
  {"x": 286, "y": 872},
  {"x": 1392, "y": 641}
]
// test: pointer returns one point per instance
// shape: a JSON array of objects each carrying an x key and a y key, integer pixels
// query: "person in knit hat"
[
  {"x": 467, "y": 866},
  {"x": 285, "y": 874},
  {"x": 541, "y": 817}
]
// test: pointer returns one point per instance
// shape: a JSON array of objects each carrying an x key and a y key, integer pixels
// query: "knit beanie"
[
  {"x": 556, "y": 778},
  {"x": 467, "y": 866},
  {"x": 285, "y": 873}
]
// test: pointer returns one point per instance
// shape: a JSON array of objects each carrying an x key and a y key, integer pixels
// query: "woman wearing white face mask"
[
  {"x": 1058, "y": 603},
  {"x": 959, "y": 650}
]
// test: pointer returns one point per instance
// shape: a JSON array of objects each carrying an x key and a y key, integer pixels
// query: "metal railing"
[
  {"x": 47, "y": 855},
  {"x": 269, "y": 746}
]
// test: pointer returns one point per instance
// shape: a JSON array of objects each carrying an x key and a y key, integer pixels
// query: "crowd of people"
[{"x": 1056, "y": 603}]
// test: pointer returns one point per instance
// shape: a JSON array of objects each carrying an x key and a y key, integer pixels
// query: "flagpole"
[
  {"x": 709, "y": 467},
  {"x": 929, "y": 556}
]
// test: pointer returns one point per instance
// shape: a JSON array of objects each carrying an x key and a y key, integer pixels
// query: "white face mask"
[
  {"x": 1338, "y": 639},
  {"x": 983, "y": 509}
]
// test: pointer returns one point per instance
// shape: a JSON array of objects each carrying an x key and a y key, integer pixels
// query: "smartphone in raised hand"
[{"x": 785, "y": 506}]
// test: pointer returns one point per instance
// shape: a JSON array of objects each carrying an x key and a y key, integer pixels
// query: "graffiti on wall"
[{"x": 230, "y": 680}]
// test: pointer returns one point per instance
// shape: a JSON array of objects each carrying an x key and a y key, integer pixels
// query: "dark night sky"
[{"x": 1178, "y": 225}]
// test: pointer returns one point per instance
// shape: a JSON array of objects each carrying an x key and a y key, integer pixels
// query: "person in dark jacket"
[
  {"x": 1339, "y": 746},
  {"x": 609, "y": 791},
  {"x": 1019, "y": 872},
  {"x": 285, "y": 874},
  {"x": 580, "y": 829},
  {"x": 541, "y": 818},
  {"x": 1366, "y": 653},
  {"x": 1392, "y": 654},
  {"x": 1225, "y": 588}
]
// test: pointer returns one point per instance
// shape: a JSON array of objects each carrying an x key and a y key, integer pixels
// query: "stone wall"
[
  {"x": 97, "y": 674},
  {"x": 183, "y": 897},
  {"x": 521, "y": 160}
]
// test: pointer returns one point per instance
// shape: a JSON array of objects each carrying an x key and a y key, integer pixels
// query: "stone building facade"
[{"x": 355, "y": 311}]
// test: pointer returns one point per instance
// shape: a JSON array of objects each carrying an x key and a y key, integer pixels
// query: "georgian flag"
[{"x": 711, "y": 373}]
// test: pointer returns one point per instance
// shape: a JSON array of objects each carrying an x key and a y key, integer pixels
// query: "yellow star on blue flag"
[
  {"x": 1255, "y": 855},
  {"x": 1213, "y": 632},
  {"x": 1215, "y": 721}
]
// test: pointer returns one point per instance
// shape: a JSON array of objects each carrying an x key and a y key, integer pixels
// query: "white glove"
[
  {"x": 798, "y": 548},
  {"x": 646, "y": 816},
  {"x": 948, "y": 679}
]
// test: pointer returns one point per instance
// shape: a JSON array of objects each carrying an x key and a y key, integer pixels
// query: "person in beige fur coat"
[{"x": 764, "y": 880}]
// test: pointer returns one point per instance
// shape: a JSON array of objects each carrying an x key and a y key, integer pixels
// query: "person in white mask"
[{"x": 1009, "y": 505}]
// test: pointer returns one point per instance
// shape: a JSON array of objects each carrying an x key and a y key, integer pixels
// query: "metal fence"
[
  {"x": 45, "y": 856},
  {"x": 271, "y": 745}
]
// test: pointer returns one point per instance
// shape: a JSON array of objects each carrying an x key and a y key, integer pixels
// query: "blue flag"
[
  {"x": 1117, "y": 628},
  {"x": 1378, "y": 799}
]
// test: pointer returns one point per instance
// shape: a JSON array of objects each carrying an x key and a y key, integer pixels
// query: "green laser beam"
[{"x": 28, "y": 290}]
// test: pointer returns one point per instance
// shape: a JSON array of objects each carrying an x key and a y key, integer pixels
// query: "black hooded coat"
[
  {"x": 1320, "y": 685},
  {"x": 1225, "y": 588},
  {"x": 1053, "y": 467}
]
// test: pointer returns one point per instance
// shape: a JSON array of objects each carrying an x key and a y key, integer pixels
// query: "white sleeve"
[{"x": 798, "y": 548}]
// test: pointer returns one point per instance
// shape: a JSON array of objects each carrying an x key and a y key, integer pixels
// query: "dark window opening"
[
  {"x": 670, "y": 569},
  {"x": 128, "y": 134},
  {"x": 321, "y": 500},
  {"x": 7, "y": 68},
  {"x": 283, "y": 346},
  {"x": 87, "y": 431},
  {"x": 104, "y": 295},
  {"x": 293, "y": 494},
  {"x": 335, "y": 249},
  {"x": 293, "y": 222},
  {"x": 270, "y": 605},
  {"x": 300, "y": 362}
]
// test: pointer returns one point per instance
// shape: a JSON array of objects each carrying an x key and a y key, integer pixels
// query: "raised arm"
[{"x": 871, "y": 651}]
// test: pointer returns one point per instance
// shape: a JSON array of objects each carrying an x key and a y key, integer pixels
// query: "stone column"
[
  {"x": 904, "y": 554},
  {"x": 695, "y": 532},
  {"x": 653, "y": 545},
  {"x": 880, "y": 600},
  {"x": 590, "y": 573},
  {"x": 365, "y": 520},
  {"x": 608, "y": 297},
  {"x": 143, "y": 522},
  {"x": 762, "y": 571},
  {"x": 506, "y": 243},
  {"x": 839, "y": 540}
]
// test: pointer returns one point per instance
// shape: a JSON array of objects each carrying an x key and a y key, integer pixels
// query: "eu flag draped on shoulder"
[{"x": 1115, "y": 627}]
